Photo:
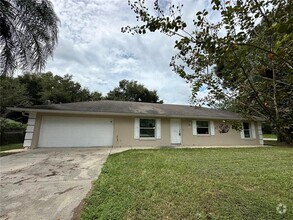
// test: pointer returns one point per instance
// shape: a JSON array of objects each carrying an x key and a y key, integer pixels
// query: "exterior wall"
[
  {"x": 124, "y": 133},
  {"x": 233, "y": 137}
]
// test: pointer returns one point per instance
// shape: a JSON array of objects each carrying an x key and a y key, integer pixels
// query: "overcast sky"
[{"x": 92, "y": 48}]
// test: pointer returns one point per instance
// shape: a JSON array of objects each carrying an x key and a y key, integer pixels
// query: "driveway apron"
[{"x": 47, "y": 183}]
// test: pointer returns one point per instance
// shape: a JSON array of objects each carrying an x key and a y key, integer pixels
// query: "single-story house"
[{"x": 125, "y": 124}]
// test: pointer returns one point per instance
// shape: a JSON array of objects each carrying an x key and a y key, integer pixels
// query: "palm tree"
[{"x": 28, "y": 34}]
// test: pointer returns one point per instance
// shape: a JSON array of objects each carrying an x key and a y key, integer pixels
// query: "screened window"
[
  {"x": 246, "y": 130},
  {"x": 202, "y": 127},
  {"x": 147, "y": 128}
]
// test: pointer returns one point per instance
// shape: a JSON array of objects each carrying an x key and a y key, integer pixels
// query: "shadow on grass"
[{"x": 277, "y": 144}]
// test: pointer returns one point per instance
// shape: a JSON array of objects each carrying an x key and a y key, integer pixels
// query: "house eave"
[{"x": 28, "y": 110}]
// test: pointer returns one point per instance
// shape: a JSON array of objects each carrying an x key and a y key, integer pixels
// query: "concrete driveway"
[{"x": 47, "y": 183}]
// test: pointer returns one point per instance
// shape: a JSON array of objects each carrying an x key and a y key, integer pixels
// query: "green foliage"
[
  {"x": 273, "y": 136},
  {"x": 37, "y": 89},
  {"x": 133, "y": 91},
  {"x": 10, "y": 125},
  {"x": 28, "y": 34},
  {"x": 96, "y": 96},
  {"x": 12, "y": 93},
  {"x": 59, "y": 89},
  {"x": 247, "y": 183},
  {"x": 246, "y": 56},
  {"x": 9, "y": 147},
  {"x": 48, "y": 88},
  {"x": 267, "y": 129},
  {"x": 32, "y": 84},
  {"x": 8, "y": 137}
]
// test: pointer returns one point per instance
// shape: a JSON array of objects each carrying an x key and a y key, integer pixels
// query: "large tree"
[
  {"x": 133, "y": 91},
  {"x": 58, "y": 89},
  {"x": 48, "y": 88},
  {"x": 245, "y": 56},
  {"x": 12, "y": 93},
  {"x": 28, "y": 34},
  {"x": 38, "y": 89}
]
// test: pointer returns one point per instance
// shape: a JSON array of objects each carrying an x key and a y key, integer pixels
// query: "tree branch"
[
  {"x": 256, "y": 93},
  {"x": 262, "y": 13},
  {"x": 290, "y": 65}
]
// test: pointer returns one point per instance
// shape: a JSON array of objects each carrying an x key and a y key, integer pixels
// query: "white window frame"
[
  {"x": 251, "y": 129},
  {"x": 157, "y": 128},
  {"x": 147, "y": 128},
  {"x": 211, "y": 128}
]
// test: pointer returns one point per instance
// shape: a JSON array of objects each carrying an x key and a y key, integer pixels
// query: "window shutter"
[
  {"x": 253, "y": 130},
  {"x": 136, "y": 128},
  {"x": 242, "y": 132},
  {"x": 194, "y": 128},
  {"x": 212, "y": 127},
  {"x": 158, "y": 128}
]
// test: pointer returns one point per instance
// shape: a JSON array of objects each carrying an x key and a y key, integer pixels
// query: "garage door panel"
[{"x": 75, "y": 132}]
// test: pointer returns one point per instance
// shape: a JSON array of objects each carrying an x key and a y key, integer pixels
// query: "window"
[
  {"x": 202, "y": 127},
  {"x": 147, "y": 128},
  {"x": 246, "y": 130}
]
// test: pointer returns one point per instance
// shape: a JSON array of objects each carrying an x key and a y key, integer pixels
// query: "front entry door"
[{"x": 175, "y": 131}]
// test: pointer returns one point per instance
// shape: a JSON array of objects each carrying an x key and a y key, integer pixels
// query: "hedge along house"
[{"x": 134, "y": 124}]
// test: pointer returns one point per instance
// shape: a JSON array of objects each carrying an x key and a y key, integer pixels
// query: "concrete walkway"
[
  {"x": 270, "y": 139},
  {"x": 48, "y": 183},
  {"x": 14, "y": 150}
]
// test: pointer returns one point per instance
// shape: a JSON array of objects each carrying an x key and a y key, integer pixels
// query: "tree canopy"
[
  {"x": 12, "y": 93},
  {"x": 133, "y": 91},
  {"x": 28, "y": 34},
  {"x": 245, "y": 56},
  {"x": 46, "y": 88}
]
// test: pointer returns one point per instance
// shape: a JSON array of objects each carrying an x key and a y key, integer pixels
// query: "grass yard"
[
  {"x": 243, "y": 183},
  {"x": 270, "y": 136},
  {"x": 9, "y": 147},
  {"x": 276, "y": 144}
]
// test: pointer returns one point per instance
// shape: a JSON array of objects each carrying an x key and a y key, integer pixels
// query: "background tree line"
[{"x": 47, "y": 88}]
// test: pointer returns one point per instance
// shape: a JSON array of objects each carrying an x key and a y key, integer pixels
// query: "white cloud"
[{"x": 93, "y": 49}]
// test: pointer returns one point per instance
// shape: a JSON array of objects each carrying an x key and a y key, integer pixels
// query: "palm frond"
[{"x": 28, "y": 34}]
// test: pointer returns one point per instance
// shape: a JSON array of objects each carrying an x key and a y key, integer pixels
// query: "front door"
[{"x": 175, "y": 131}]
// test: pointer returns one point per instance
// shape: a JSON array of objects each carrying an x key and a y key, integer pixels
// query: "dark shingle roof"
[{"x": 135, "y": 108}]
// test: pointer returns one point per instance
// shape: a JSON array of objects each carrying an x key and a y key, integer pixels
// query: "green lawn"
[
  {"x": 270, "y": 136},
  {"x": 276, "y": 143},
  {"x": 9, "y": 147},
  {"x": 194, "y": 184}
]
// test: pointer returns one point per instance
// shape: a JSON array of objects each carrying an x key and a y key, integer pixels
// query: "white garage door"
[{"x": 75, "y": 132}]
